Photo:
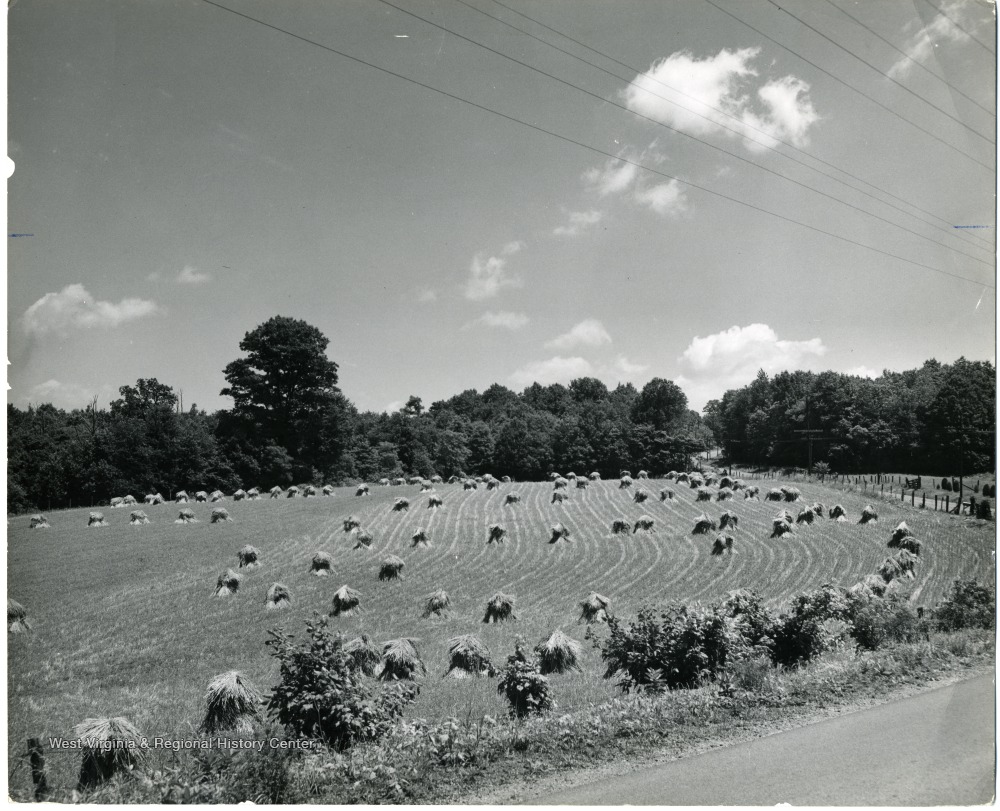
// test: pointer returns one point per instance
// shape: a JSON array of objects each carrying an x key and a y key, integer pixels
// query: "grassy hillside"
[{"x": 125, "y": 622}]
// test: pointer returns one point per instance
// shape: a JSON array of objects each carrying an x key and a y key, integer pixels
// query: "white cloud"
[
  {"x": 732, "y": 358},
  {"x": 624, "y": 366},
  {"x": 685, "y": 92},
  {"x": 74, "y": 307},
  {"x": 488, "y": 274},
  {"x": 613, "y": 178},
  {"x": 553, "y": 370},
  {"x": 394, "y": 406},
  {"x": 512, "y": 247},
  {"x": 589, "y": 332},
  {"x": 578, "y": 222},
  {"x": 190, "y": 275},
  {"x": 922, "y": 43},
  {"x": 502, "y": 319},
  {"x": 64, "y": 395},
  {"x": 863, "y": 371},
  {"x": 427, "y": 296},
  {"x": 666, "y": 199}
]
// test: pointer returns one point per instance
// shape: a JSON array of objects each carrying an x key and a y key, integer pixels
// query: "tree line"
[
  {"x": 937, "y": 420},
  {"x": 291, "y": 424}
]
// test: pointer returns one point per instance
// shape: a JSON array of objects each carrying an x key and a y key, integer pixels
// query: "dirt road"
[{"x": 935, "y": 748}]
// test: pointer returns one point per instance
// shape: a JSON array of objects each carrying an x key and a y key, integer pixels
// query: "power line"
[
  {"x": 949, "y": 230},
  {"x": 588, "y": 147},
  {"x": 637, "y": 71},
  {"x": 900, "y": 85},
  {"x": 850, "y": 87},
  {"x": 684, "y": 134},
  {"x": 911, "y": 59},
  {"x": 954, "y": 22}
]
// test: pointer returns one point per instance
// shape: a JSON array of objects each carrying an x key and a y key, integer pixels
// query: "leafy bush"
[
  {"x": 883, "y": 621},
  {"x": 681, "y": 646},
  {"x": 946, "y": 485},
  {"x": 967, "y": 605},
  {"x": 811, "y": 625},
  {"x": 750, "y": 619},
  {"x": 983, "y": 510},
  {"x": 526, "y": 689},
  {"x": 323, "y": 696}
]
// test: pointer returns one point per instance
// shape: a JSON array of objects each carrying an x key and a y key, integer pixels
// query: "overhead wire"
[
  {"x": 898, "y": 84},
  {"x": 955, "y": 23},
  {"x": 687, "y": 135},
  {"x": 588, "y": 147},
  {"x": 659, "y": 82},
  {"x": 909, "y": 58},
  {"x": 850, "y": 86}
]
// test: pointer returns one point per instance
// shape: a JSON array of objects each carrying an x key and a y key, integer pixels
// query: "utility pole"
[{"x": 811, "y": 434}]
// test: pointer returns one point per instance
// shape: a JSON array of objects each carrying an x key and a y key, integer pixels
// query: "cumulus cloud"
[
  {"x": 74, "y": 308},
  {"x": 488, "y": 275},
  {"x": 732, "y": 358},
  {"x": 427, "y": 296},
  {"x": 63, "y": 395},
  {"x": 627, "y": 368},
  {"x": 589, "y": 332},
  {"x": 921, "y": 43},
  {"x": 666, "y": 199},
  {"x": 554, "y": 370},
  {"x": 190, "y": 275},
  {"x": 579, "y": 221},
  {"x": 863, "y": 371},
  {"x": 502, "y": 319},
  {"x": 614, "y": 177},
  {"x": 685, "y": 92}
]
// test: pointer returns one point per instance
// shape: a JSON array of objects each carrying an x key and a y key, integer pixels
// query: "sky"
[{"x": 728, "y": 187}]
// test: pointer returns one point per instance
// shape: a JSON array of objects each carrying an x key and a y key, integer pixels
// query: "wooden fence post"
[
  {"x": 38, "y": 777},
  {"x": 947, "y": 503},
  {"x": 913, "y": 498},
  {"x": 935, "y": 502},
  {"x": 923, "y": 501}
]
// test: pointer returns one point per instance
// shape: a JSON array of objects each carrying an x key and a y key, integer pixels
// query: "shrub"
[
  {"x": 946, "y": 485},
  {"x": 750, "y": 619},
  {"x": 967, "y": 605},
  {"x": 983, "y": 510},
  {"x": 681, "y": 646},
  {"x": 810, "y": 625},
  {"x": 323, "y": 696},
  {"x": 523, "y": 685},
  {"x": 883, "y": 621}
]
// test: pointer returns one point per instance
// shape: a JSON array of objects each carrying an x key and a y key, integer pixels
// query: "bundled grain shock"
[
  {"x": 582, "y": 483},
  {"x": 805, "y": 516},
  {"x": 308, "y": 490},
  {"x": 401, "y": 505},
  {"x": 837, "y": 513},
  {"x": 666, "y": 494},
  {"x": 728, "y": 519},
  {"x": 560, "y": 484},
  {"x": 434, "y": 502},
  {"x": 17, "y": 618},
  {"x": 128, "y": 500},
  {"x": 818, "y": 509},
  {"x": 774, "y": 494},
  {"x": 868, "y": 515},
  {"x": 625, "y": 481},
  {"x": 328, "y": 490},
  {"x": 232, "y": 702},
  {"x": 642, "y": 474},
  {"x": 346, "y": 601},
  {"x": 497, "y": 533},
  {"x": 322, "y": 564},
  {"x": 470, "y": 484},
  {"x": 751, "y": 492},
  {"x": 420, "y": 539},
  {"x": 724, "y": 494},
  {"x": 239, "y": 495},
  {"x": 278, "y": 597},
  {"x": 275, "y": 492},
  {"x": 180, "y": 497},
  {"x": 253, "y": 494},
  {"x": 363, "y": 540},
  {"x": 703, "y": 525},
  {"x": 595, "y": 476},
  {"x": 558, "y": 497},
  {"x": 899, "y": 565},
  {"x": 436, "y": 604},
  {"x": 559, "y": 531},
  {"x": 640, "y": 496},
  {"x": 391, "y": 569},
  {"x": 780, "y": 528},
  {"x": 249, "y": 557},
  {"x": 500, "y": 608},
  {"x": 594, "y": 608},
  {"x": 113, "y": 746},
  {"x": 703, "y": 494},
  {"x": 468, "y": 656},
  {"x": 558, "y": 653},
  {"x": 620, "y": 527},
  {"x": 138, "y": 517},
  {"x": 217, "y": 495},
  {"x": 364, "y": 653},
  {"x": 400, "y": 660},
  {"x": 361, "y": 491},
  {"x": 790, "y": 493},
  {"x": 220, "y": 514},
  {"x": 228, "y": 583},
  {"x": 512, "y": 498},
  {"x": 292, "y": 492},
  {"x": 39, "y": 521},
  {"x": 96, "y": 519},
  {"x": 154, "y": 498},
  {"x": 201, "y": 495},
  {"x": 723, "y": 544},
  {"x": 644, "y": 523},
  {"x": 351, "y": 522},
  {"x": 186, "y": 516}
]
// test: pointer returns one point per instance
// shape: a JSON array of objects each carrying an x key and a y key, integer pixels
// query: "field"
[{"x": 125, "y": 622}]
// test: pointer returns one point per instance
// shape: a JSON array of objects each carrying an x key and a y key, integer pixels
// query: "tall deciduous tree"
[
  {"x": 286, "y": 386},
  {"x": 659, "y": 403}
]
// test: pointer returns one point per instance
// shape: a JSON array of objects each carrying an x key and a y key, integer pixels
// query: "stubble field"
[{"x": 124, "y": 621}]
